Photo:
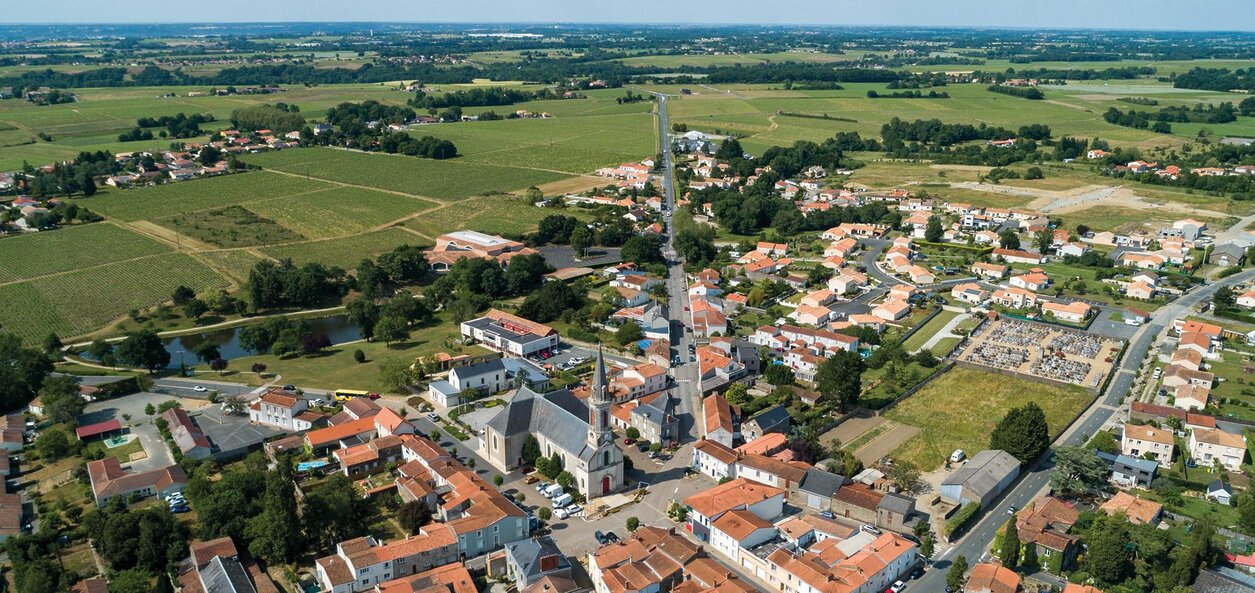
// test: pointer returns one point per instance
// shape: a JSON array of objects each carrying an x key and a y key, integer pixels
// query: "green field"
[
  {"x": 339, "y": 211},
  {"x": 454, "y": 179},
  {"x": 930, "y": 329},
  {"x": 150, "y": 203},
  {"x": 96, "y": 119},
  {"x": 498, "y": 215},
  {"x": 76, "y": 303},
  {"x": 232, "y": 226},
  {"x": 346, "y": 252},
  {"x": 943, "y": 409},
  {"x": 64, "y": 250}
]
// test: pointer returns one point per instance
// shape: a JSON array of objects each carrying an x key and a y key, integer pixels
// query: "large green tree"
[
  {"x": 1009, "y": 550},
  {"x": 934, "y": 232},
  {"x": 1023, "y": 433},
  {"x": 22, "y": 372},
  {"x": 955, "y": 576},
  {"x": 1109, "y": 559},
  {"x": 143, "y": 349},
  {"x": 1077, "y": 470},
  {"x": 840, "y": 379},
  {"x": 62, "y": 402},
  {"x": 276, "y": 532}
]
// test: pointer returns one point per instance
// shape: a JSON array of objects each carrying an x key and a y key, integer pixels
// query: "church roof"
[{"x": 558, "y": 415}]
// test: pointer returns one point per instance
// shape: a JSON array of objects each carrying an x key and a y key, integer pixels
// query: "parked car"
[
  {"x": 871, "y": 529},
  {"x": 562, "y": 500},
  {"x": 628, "y": 441},
  {"x": 574, "y": 510},
  {"x": 600, "y": 537},
  {"x": 612, "y": 536},
  {"x": 957, "y": 456},
  {"x": 317, "y": 402},
  {"x": 289, "y": 387},
  {"x": 897, "y": 587},
  {"x": 541, "y": 487},
  {"x": 433, "y": 417},
  {"x": 561, "y": 513},
  {"x": 1011, "y": 510}
]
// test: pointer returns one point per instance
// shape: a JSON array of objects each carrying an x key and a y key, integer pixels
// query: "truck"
[{"x": 553, "y": 491}]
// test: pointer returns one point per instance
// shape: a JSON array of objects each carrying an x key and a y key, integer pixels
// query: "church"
[{"x": 578, "y": 431}]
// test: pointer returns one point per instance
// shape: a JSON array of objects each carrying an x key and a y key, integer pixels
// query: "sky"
[{"x": 1227, "y": 15}]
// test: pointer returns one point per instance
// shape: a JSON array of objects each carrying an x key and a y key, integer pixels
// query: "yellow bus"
[{"x": 343, "y": 395}]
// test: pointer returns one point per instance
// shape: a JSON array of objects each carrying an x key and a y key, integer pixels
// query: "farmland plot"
[
  {"x": 71, "y": 248},
  {"x": 189, "y": 196},
  {"x": 79, "y": 302},
  {"x": 345, "y": 252},
  {"x": 339, "y": 211}
]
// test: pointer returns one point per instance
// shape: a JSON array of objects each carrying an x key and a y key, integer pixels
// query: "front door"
[{"x": 605, "y": 485}]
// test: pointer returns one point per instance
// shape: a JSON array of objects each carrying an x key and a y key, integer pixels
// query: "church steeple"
[
  {"x": 599, "y": 405},
  {"x": 600, "y": 390}
]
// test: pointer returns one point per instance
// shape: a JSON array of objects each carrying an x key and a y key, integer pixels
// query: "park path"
[{"x": 943, "y": 333}]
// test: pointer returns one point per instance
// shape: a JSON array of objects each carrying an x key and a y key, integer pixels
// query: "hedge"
[
  {"x": 978, "y": 249},
  {"x": 962, "y": 518}
]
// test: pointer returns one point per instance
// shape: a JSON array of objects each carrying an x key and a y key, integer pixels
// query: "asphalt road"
[
  {"x": 1035, "y": 481},
  {"x": 686, "y": 375}
]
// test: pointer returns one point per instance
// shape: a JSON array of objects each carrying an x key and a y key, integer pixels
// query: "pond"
[{"x": 183, "y": 348}]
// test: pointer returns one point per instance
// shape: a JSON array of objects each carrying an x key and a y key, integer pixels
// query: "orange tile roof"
[
  {"x": 331, "y": 434},
  {"x": 717, "y": 411},
  {"x": 992, "y": 578},
  {"x": 1148, "y": 433},
  {"x": 716, "y": 450},
  {"x": 725, "y": 497},
  {"x": 740, "y": 524},
  {"x": 1139, "y": 511}
]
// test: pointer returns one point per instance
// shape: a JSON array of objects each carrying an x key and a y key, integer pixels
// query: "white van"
[
  {"x": 552, "y": 491},
  {"x": 562, "y": 500}
]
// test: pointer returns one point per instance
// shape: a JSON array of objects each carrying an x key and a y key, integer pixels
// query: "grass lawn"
[
  {"x": 943, "y": 409},
  {"x": 1236, "y": 388},
  {"x": 930, "y": 329},
  {"x": 944, "y": 346},
  {"x": 123, "y": 453},
  {"x": 335, "y": 368}
]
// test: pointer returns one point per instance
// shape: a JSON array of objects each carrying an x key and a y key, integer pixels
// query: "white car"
[
  {"x": 574, "y": 510},
  {"x": 199, "y": 389},
  {"x": 897, "y": 587},
  {"x": 561, "y": 513}
]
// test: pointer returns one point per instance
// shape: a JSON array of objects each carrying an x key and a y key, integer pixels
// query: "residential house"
[
  {"x": 1137, "y": 441},
  {"x": 765, "y": 502},
  {"x": 1015, "y": 298},
  {"x": 1045, "y": 523},
  {"x": 1016, "y": 256},
  {"x": 285, "y": 412},
  {"x": 187, "y": 436},
  {"x": 988, "y": 271},
  {"x": 714, "y": 459},
  {"x": 1227, "y": 255},
  {"x": 1219, "y": 491},
  {"x": 1072, "y": 312},
  {"x": 721, "y": 423},
  {"x": 970, "y": 293},
  {"x": 775, "y": 419},
  {"x": 1211, "y": 446},
  {"x": 1130, "y": 472},
  {"x": 992, "y": 578},
  {"x": 1139, "y": 511}
]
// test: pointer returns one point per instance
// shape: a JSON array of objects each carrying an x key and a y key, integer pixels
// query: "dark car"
[
  {"x": 289, "y": 387},
  {"x": 601, "y": 538},
  {"x": 612, "y": 536}
]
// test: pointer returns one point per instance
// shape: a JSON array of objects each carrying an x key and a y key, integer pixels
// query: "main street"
[
  {"x": 686, "y": 374},
  {"x": 1036, "y": 480}
]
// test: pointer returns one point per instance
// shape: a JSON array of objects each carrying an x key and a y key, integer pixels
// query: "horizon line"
[{"x": 637, "y": 24}]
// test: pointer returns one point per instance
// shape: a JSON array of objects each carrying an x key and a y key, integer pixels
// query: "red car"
[
  {"x": 628, "y": 441},
  {"x": 373, "y": 395}
]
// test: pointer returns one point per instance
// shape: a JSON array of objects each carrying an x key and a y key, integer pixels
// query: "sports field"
[{"x": 943, "y": 410}]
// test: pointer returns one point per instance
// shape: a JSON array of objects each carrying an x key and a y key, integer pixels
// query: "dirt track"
[{"x": 1089, "y": 196}]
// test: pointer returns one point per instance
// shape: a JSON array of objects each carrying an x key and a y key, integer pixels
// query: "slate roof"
[
  {"x": 896, "y": 503},
  {"x": 984, "y": 471},
  {"x": 226, "y": 576},
  {"x": 464, "y": 373},
  {"x": 558, "y": 414},
  {"x": 771, "y": 418},
  {"x": 527, "y": 554},
  {"x": 821, "y": 483}
]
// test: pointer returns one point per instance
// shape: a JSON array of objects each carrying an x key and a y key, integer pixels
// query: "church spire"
[{"x": 600, "y": 390}]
